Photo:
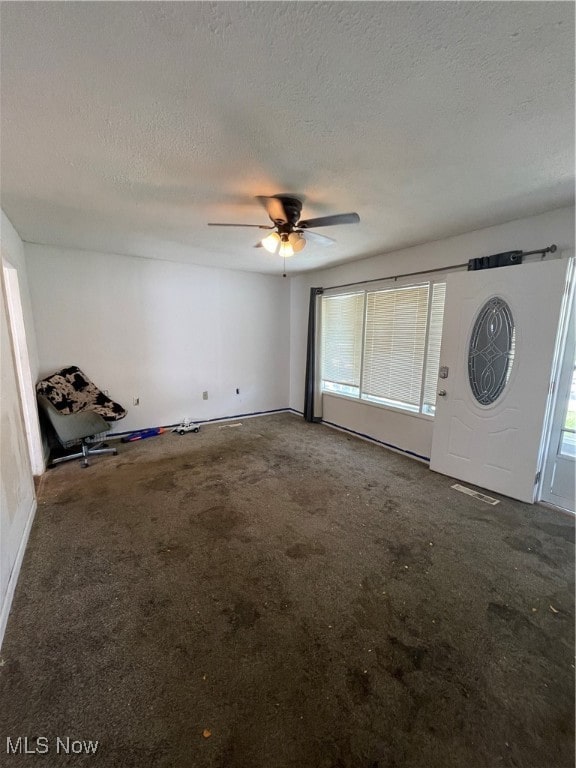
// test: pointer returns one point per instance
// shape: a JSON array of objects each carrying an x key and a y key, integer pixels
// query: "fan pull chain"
[{"x": 284, "y": 275}]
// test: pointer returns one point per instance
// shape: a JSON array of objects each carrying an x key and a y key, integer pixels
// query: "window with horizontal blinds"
[
  {"x": 433, "y": 352},
  {"x": 383, "y": 346},
  {"x": 342, "y": 322},
  {"x": 395, "y": 340}
]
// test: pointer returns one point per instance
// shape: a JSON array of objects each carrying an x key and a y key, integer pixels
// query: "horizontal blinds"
[
  {"x": 395, "y": 339},
  {"x": 342, "y": 321},
  {"x": 434, "y": 342}
]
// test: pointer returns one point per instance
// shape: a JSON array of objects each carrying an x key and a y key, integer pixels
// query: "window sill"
[{"x": 370, "y": 404}]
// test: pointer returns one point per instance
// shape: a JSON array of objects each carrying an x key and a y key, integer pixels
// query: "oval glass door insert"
[{"x": 491, "y": 351}]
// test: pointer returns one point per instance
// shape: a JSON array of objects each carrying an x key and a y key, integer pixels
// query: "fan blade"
[
  {"x": 314, "y": 237},
  {"x": 275, "y": 209},
  {"x": 218, "y": 224},
  {"x": 329, "y": 221}
]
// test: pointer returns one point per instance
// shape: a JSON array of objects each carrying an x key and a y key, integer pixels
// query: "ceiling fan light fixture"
[
  {"x": 286, "y": 249},
  {"x": 290, "y": 234},
  {"x": 297, "y": 242},
  {"x": 271, "y": 242}
]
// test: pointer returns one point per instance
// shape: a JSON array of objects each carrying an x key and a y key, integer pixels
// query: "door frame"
[
  {"x": 26, "y": 386},
  {"x": 550, "y": 427}
]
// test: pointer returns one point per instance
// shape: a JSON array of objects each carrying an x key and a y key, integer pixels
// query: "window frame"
[{"x": 406, "y": 410}]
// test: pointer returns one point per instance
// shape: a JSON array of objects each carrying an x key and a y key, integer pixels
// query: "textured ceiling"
[{"x": 126, "y": 127}]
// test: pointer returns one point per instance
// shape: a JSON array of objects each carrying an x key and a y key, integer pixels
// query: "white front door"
[{"x": 491, "y": 408}]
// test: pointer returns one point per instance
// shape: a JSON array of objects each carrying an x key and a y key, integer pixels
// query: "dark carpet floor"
[{"x": 282, "y": 595}]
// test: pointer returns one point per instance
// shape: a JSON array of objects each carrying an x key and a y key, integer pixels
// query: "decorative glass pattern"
[{"x": 491, "y": 351}]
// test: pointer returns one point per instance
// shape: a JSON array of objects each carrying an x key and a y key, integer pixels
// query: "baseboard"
[
  {"x": 390, "y": 446},
  {"x": 12, "y": 581},
  {"x": 249, "y": 415}
]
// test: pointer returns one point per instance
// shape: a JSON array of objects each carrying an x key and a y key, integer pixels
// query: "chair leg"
[
  {"x": 62, "y": 459},
  {"x": 95, "y": 451},
  {"x": 84, "y": 454}
]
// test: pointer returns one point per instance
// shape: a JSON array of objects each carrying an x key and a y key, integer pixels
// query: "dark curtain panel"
[{"x": 310, "y": 385}]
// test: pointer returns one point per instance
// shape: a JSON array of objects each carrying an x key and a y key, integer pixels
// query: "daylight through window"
[{"x": 383, "y": 346}]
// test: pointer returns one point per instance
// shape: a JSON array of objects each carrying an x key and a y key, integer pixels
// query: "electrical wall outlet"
[{"x": 205, "y": 395}]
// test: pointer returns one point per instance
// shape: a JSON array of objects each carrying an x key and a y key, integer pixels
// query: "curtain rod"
[{"x": 543, "y": 251}]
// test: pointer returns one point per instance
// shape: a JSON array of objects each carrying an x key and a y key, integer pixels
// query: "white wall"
[
  {"x": 164, "y": 332},
  {"x": 406, "y": 431},
  {"x": 17, "y": 497}
]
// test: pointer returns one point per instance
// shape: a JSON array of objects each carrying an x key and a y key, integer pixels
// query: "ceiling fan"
[{"x": 289, "y": 233}]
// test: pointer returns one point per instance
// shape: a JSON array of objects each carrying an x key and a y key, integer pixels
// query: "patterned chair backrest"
[{"x": 71, "y": 391}]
